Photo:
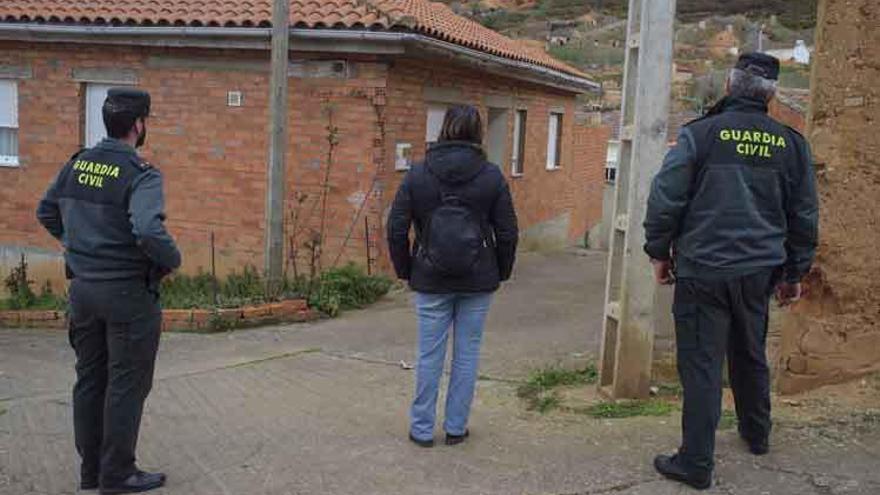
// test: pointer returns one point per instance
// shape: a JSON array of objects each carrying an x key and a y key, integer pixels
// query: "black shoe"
[
  {"x": 136, "y": 483},
  {"x": 760, "y": 447},
  {"x": 670, "y": 467},
  {"x": 457, "y": 439},
  {"x": 427, "y": 444}
]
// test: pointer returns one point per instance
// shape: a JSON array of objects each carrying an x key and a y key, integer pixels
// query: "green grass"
[
  {"x": 629, "y": 409},
  {"x": 794, "y": 77},
  {"x": 728, "y": 420},
  {"x": 584, "y": 55},
  {"x": 546, "y": 403},
  {"x": 335, "y": 290},
  {"x": 538, "y": 389},
  {"x": 669, "y": 389},
  {"x": 41, "y": 302}
]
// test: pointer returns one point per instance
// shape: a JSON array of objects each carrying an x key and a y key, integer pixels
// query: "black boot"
[
  {"x": 670, "y": 467},
  {"x": 136, "y": 483},
  {"x": 756, "y": 447},
  {"x": 457, "y": 439}
]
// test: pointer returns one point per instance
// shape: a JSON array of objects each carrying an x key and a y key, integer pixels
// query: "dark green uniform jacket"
[
  {"x": 736, "y": 194},
  {"x": 106, "y": 207}
]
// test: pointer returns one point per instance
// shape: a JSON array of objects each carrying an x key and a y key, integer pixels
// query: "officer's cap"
[
  {"x": 759, "y": 64},
  {"x": 128, "y": 100}
]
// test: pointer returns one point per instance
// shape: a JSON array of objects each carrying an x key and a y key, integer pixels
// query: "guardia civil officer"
[
  {"x": 106, "y": 207},
  {"x": 732, "y": 215}
]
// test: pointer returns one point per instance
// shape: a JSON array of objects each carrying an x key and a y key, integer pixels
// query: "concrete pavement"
[{"x": 322, "y": 409}]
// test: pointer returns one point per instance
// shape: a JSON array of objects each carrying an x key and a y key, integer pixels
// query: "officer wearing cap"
[
  {"x": 106, "y": 207},
  {"x": 732, "y": 216}
]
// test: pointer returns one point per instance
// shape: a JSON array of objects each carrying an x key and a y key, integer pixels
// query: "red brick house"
[{"x": 369, "y": 81}]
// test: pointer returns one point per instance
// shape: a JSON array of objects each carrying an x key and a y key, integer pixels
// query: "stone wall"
[{"x": 834, "y": 334}]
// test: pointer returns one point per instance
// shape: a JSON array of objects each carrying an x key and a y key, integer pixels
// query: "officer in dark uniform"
[
  {"x": 732, "y": 215},
  {"x": 106, "y": 207}
]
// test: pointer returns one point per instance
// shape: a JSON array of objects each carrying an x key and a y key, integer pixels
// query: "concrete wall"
[{"x": 834, "y": 334}]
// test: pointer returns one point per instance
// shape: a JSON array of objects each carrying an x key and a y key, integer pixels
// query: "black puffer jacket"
[{"x": 463, "y": 169}]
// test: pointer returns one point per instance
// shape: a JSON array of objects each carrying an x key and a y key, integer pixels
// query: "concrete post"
[
  {"x": 628, "y": 333},
  {"x": 274, "y": 252}
]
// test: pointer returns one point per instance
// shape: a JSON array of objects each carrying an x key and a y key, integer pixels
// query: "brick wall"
[
  {"x": 788, "y": 115},
  {"x": 588, "y": 184},
  {"x": 213, "y": 156},
  {"x": 545, "y": 200}
]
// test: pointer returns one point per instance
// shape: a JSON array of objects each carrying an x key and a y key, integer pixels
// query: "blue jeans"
[{"x": 466, "y": 314}]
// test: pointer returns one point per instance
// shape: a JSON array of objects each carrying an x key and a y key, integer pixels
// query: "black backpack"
[{"x": 452, "y": 237}]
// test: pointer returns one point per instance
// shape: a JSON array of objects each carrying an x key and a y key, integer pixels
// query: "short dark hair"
[
  {"x": 118, "y": 124},
  {"x": 462, "y": 123}
]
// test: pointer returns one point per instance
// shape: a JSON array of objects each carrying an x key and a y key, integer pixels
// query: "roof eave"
[{"x": 303, "y": 40}]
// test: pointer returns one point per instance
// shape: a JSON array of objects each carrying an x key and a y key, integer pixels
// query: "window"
[
  {"x": 519, "y": 143},
  {"x": 496, "y": 139},
  {"x": 95, "y": 96},
  {"x": 436, "y": 114},
  {"x": 611, "y": 159},
  {"x": 8, "y": 123},
  {"x": 554, "y": 142}
]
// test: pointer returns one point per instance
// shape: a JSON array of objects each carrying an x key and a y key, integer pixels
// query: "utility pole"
[
  {"x": 761, "y": 39},
  {"x": 274, "y": 252},
  {"x": 626, "y": 354}
]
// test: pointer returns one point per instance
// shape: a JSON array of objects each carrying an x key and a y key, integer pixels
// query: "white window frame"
[
  {"x": 431, "y": 110},
  {"x": 554, "y": 140},
  {"x": 12, "y": 160},
  {"x": 611, "y": 163},
  {"x": 517, "y": 158},
  {"x": 97, "y": 104}
]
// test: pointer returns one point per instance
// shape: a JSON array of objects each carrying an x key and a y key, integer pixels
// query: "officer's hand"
[
  {"x": 663, "y": 272},
  {"x": 788, "y": 293}
]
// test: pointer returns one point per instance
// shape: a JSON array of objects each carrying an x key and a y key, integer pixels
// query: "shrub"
[
  {"x": 347, "y": 287},
  {"x": 22, "y": 296}
]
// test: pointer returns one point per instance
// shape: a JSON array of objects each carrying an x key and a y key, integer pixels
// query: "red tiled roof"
[{"x": 423, "y": 16}]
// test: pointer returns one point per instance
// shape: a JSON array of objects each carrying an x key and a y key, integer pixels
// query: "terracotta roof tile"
[{"x": 423, "y": 16}]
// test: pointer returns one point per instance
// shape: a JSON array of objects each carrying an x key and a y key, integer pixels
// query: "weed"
[
  {"x": 546, "y": 403},
  {"x": 22, "y": 296},
  {"x": 728, "y": 420},
  {"x": 628, "y": 409},
  {"x": 345, "y": 288},
  {"x": 538, "y": 392},
  {"x": 669, "y": 389}
]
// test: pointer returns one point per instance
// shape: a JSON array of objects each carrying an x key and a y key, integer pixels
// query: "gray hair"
[{"x": 747, "y": 85}]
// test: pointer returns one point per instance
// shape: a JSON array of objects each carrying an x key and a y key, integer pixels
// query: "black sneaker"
[
  {"x": 457, "y": 439},
  {"x": 670, "y": 467},
  {"x": 137, "y": 483},
  {"x": 427, "y": 444}
]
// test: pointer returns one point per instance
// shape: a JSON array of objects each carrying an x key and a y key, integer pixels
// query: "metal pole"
[
  {"x": 274, "y": 252},
  {"x": 367, "y": 244},
  {"x": 214, "y": 282}
]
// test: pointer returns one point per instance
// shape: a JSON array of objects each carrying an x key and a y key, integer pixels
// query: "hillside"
[{"x": 591, "y": 34}]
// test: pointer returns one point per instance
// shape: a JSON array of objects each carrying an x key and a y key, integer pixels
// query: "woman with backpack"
[{"x": 466, "y": 232}]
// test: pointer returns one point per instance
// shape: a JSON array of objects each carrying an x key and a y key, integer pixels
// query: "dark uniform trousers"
[
  {"x": 714, "y": 317},
  {"x": 114, "y": 330}
]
